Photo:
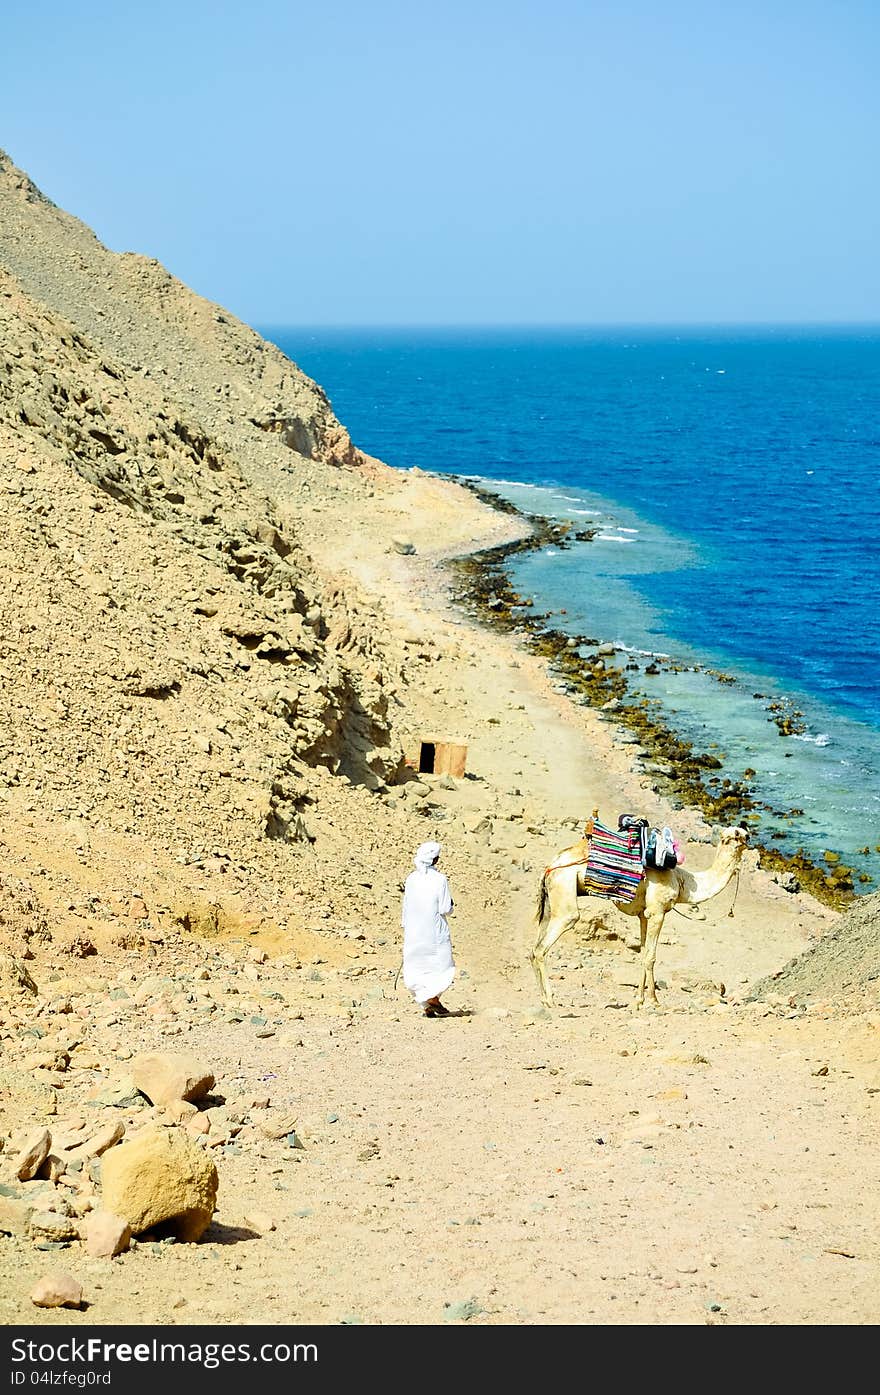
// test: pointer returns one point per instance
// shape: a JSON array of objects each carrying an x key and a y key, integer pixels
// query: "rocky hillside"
[
  {"x": 844, "y": 965},
  {"x": 183, "y": 663}
]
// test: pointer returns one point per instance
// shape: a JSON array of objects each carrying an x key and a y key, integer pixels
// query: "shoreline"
[{"x": 679, "y": 772}]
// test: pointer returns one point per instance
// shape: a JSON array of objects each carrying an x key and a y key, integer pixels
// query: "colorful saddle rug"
[{"x": 614, "y": 867}]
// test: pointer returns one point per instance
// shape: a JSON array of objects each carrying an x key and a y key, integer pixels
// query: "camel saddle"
[{"x": 614, "y": 867}]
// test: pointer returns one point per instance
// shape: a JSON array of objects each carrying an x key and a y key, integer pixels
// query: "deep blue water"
[{"x": 735, "y": 477}]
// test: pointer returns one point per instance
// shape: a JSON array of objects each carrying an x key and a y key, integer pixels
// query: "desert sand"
[{"x": 215, "y": 656}]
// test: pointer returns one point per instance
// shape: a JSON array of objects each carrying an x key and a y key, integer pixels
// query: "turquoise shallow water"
[
  {"x": 734, "y": 478},
  {"x": 830, "y": 770}
]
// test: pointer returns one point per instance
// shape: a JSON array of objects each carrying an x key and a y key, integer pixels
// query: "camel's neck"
[{"x": 702, "y": 886}]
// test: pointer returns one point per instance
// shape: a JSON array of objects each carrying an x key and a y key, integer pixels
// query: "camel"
[{"x": 658, "y": 892}]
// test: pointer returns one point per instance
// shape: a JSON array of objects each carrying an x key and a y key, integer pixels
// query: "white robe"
[{"x": 428, "y": 967}]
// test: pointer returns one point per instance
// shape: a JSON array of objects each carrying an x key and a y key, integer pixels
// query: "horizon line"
[{"x": 568, "y": 324}]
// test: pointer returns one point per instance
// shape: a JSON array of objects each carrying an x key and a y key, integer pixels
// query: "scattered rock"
[
  {"x": 33, "y": 1153},
  {"x": 277, "y": 1125},
  {"x": 260, "y": 1222},
  {"x": 96, "y": 1145},
  {"x": 166, "y": 1076},
  {"x": 15, "y": 981},
  {"x": 50, "y": 1225},
  {"x": 57, "y": 1290},
  {"x": 105, "y": 1234},
  {"x": 15, "y": 1215},
  {"x": 463, "y": 1311}
]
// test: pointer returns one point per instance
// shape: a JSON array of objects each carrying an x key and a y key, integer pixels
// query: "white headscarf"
[{"x": 426, "y": 855}]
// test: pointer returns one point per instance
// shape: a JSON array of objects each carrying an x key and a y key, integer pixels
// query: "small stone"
[
  {"x": 99, "y": 1143},
  {"x": 49, "y": 1225},
  {"x": 15, "y": 1215},
  {"x": 53, "y": 1168},
  {"x": 259, "y": 1221},
  {"x": 32, "y": 1155},
  {"x": 165, "y": 1076},
  {"x": 179, "y": 1111},
  {"x": 57, "y": 1290},
  {"x": 462, "y": 1312},
  {"x": 106, "y": 1234},
  {"x": 278, "y": 1125}
]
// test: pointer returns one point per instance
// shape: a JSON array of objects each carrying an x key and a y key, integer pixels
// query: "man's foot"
[{"x": 441, "y": 1011}]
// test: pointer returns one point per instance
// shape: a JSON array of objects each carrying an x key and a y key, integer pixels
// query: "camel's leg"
[
  {"x": 651, "y": 925},
  {"x": 563, "y": 915}
]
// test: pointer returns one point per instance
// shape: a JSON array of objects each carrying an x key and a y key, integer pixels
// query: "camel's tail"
[{"x": 541, "y": 908}]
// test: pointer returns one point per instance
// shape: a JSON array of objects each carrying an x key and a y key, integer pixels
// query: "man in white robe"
[{"x": 428, "y": 967}]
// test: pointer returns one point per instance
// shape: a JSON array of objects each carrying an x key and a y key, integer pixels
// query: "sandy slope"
[{"x": 693, "y": 1165}]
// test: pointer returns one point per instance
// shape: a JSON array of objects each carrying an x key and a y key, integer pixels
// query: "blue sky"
[{"x": 532, "y": 161}]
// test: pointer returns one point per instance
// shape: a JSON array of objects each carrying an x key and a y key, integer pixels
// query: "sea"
[{"x": 730, "y": 479}]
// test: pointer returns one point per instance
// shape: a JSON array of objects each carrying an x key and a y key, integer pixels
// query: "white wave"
[
  {"x": 627, "y": 530},
  {"x": 549, "y": 552},
  {"x": 642, "y": 653},
  {"x": 611, "y": 537},
  {"x": 822, "y": 739},
  {"x": 508, "y": 484}
]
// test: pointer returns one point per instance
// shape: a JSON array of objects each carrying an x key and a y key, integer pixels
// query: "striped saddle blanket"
[{"x": 614, "y": 868}]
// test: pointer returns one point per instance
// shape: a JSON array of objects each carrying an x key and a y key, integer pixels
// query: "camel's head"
[{"x": 736, "y": 839}]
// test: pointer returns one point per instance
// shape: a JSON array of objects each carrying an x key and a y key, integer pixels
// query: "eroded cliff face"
[
  {"x": 131, "y": 309},
  {"x": 175, "y": 656}
]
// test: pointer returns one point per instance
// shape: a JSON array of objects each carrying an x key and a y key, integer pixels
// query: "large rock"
[
  {"x": 160, "y": 1176},
  {"x": 164, "y": 1076}
]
